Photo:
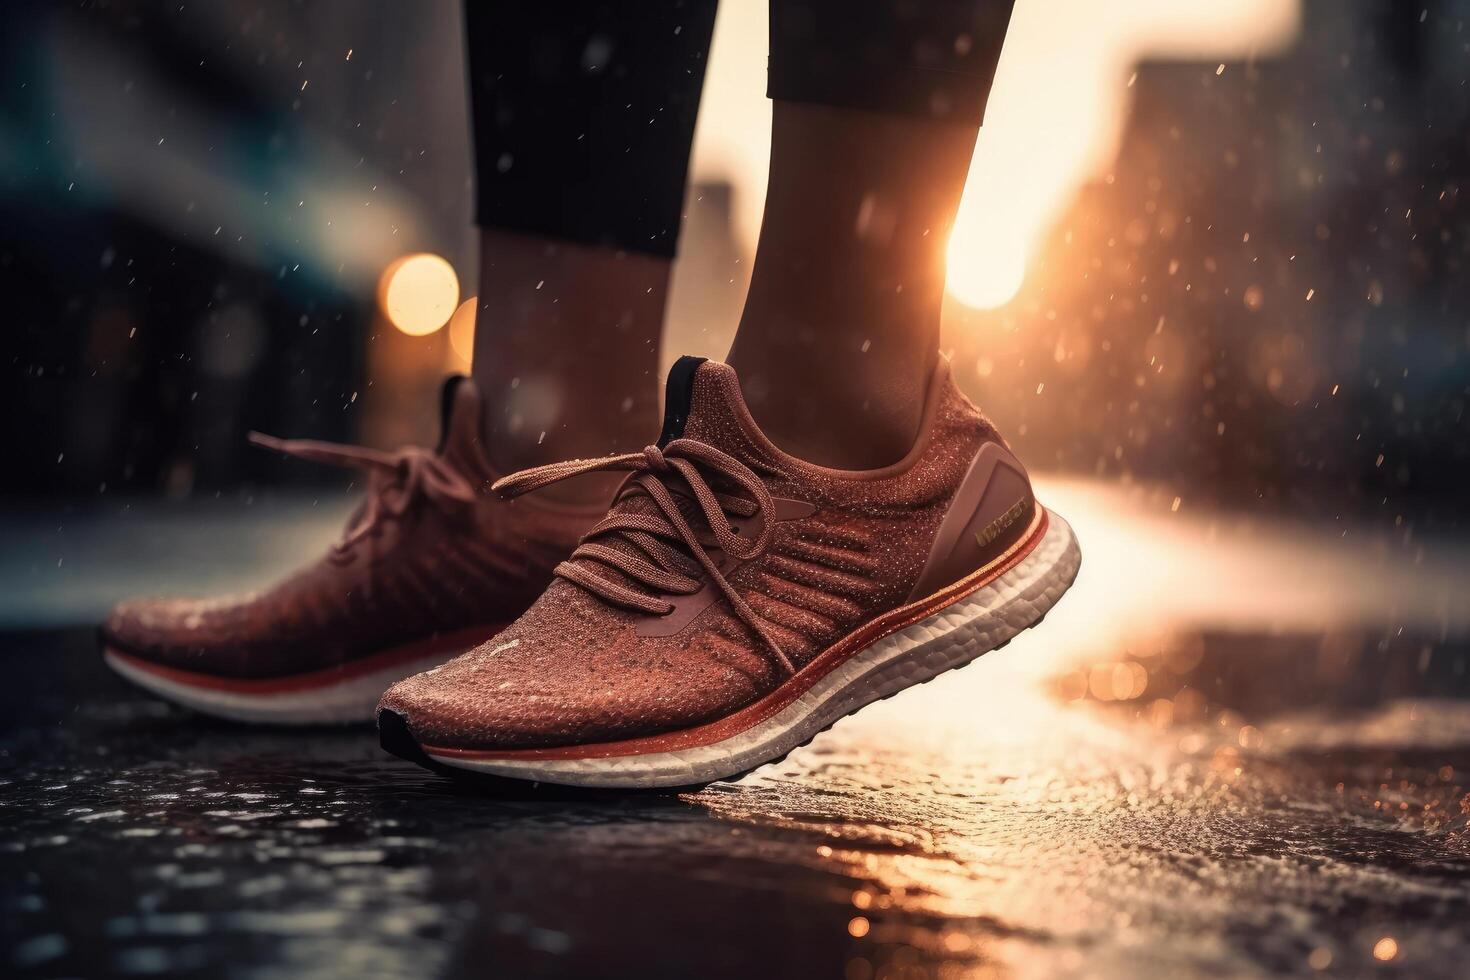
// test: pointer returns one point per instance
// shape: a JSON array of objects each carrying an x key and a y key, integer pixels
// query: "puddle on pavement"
[{"x": 1203, "y": 801}]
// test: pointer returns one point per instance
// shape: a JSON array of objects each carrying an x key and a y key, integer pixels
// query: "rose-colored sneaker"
[
  {"x": 431, "y": 564},
  {"x": 736, "y": 601}
]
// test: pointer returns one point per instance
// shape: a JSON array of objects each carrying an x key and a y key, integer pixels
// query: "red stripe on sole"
[
  {"x": 796, "y": 685},
  {"x": 327, "y": 677}
]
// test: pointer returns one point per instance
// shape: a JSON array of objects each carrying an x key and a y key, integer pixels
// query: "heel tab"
[
  {"x": 992, "y": 509},
  {"x": 678, "y": 397},
  {"x": 462, "y": 425}
]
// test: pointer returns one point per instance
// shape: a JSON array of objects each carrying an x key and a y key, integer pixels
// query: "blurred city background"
[
  {"x": 1209, "y": 277},
  {"x": 1218, "y": 246},
  {"x": 1210, "y": 254}
]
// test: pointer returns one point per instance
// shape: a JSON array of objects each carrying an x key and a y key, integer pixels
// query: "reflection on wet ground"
[{"x": 1261, "y": 785}]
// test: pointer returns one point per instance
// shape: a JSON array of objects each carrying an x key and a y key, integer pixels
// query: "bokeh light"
[
  {"x": 462, "y": 331},
  {"x": 418, "y": 293}
]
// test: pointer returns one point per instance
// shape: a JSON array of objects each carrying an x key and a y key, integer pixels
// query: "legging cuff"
[{"x": 929, "y": 59}]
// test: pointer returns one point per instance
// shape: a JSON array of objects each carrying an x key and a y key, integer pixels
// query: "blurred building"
[
  {"x": 1262, "y": 303},
  {"x": 1264, "y": 300},
  {"x": 195, "y": 204}
]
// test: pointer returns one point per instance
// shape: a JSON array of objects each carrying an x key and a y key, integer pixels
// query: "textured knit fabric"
[
  {"x": 583, "y": 116},
  {"x": 584, "y": 110},
  {"x": 576, "y": 669},
  {"x": 929, "y": 59},
  {"x": 432, "y": 570}
]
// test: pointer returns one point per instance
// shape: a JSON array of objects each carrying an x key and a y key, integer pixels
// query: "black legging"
[{"x": 584, "y": 109}]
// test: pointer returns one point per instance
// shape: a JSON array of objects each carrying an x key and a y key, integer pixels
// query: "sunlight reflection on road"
[
  {"x": 1238, "y": 746},
  {"x": 991, "y": 821},
  {"x": 1150, "y": 572}
]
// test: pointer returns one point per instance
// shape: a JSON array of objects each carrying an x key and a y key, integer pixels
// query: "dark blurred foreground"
[{"x": 1271, "y": 777}]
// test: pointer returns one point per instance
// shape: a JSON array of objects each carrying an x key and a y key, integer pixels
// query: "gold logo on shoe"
[{"x": 998, "y": 526}]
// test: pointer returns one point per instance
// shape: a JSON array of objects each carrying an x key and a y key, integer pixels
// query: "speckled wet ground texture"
[
  {"x": 1239, "y": 746},
  {"x": 1247, "y": 815}
]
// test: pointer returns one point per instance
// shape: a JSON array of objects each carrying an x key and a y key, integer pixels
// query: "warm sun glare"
[
  {"x": 1057, "y": 111},
  {"x": 1053, "y": 123}
]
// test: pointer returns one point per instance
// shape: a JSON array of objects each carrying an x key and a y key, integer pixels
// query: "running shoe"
[
  {"x": 431, "y": 564},
  {"x": 736, "y": 601}
]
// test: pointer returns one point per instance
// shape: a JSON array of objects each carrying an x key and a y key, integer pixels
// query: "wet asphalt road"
[
  {"x": 1091, "y": 837},
  {"x": 1236, "y": 748}
]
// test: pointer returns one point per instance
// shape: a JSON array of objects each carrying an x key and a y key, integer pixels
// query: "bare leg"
[
  {"x": 841, "y": 326},
  {"x": 584, "y": 112},
  {"x": 566, "y": 348}
]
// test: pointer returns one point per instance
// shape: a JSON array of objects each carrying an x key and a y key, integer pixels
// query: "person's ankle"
[
  {"x": 513, "y": 444},
  {"x": 566, "y": 352},
  {"x": 837, "y": 412}
]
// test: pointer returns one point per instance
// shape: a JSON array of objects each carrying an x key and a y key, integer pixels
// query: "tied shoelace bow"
[
  {"x": 652, "y": 561},
  {"x": 395, "y": 480}
]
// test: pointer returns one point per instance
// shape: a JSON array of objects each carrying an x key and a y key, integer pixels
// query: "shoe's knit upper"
[
  {"x": 577, "y": 668},
  {"x": 431, "y": 551}
]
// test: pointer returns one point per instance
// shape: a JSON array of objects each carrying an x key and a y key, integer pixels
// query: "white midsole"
[
  {"x": 952, "y": 637},
  {"x": 354, "y": 699}
]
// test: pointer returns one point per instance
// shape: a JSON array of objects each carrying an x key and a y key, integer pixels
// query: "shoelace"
[
  {"x": 395, "y": 480},
  {"x": 652, "y": 561}
]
